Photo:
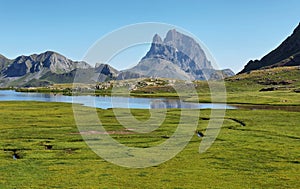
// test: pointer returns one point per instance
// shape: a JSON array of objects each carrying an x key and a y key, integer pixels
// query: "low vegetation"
[{"x": 255, "y": 149}]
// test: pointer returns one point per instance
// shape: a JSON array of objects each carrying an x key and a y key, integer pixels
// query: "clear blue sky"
[{"x": 234, "y": 31}]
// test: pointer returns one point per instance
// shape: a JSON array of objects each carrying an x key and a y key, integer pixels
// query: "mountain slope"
[
  {"x": 156, "y": 67},
  {"x": 4, "y": 62},
  {"x": 37, "y": 69},
  {"x": 106, "y": 72},
  {"x": 286, "y": 54},
  {"x": 177, "y": 56},
  {"x": 49, "y": 61},
  {"x": 50, "y": 67}
]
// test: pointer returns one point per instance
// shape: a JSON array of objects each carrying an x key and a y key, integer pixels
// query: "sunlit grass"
[{"x": 262, "y": 154}]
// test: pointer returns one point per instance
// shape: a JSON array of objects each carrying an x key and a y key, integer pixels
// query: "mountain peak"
[
  {"x": 51, "y": 54},
  {"x": 156, "y": 39},
  {"x": 177, "y": 56},
  {"x": 40, "y": 63},
  {"x": 172, "y": 35}
]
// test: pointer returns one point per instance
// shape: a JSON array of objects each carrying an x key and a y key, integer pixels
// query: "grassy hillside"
[
  {"x": 276, "y": 86},
  {"x": 262, "y": 154},
  {"x": 271, "y": 86}
]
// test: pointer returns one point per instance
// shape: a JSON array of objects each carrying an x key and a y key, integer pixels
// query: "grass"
[
  {"x": 262, "y": 154},
  {"x": 245, "y": 88}
]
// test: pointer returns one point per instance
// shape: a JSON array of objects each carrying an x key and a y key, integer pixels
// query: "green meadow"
[
  {"x": 281, "y": 85},
  {"x": 255, "y": 149}
]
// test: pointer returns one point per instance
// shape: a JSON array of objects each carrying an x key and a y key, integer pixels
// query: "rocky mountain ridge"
[
  {"x": 41, "y": 69},
  {"x": 177, "y": 56},
  {"x": 52, "y": 61},
  {"x": 50, "y": 67},
  {"x": 286, "y": 54}
]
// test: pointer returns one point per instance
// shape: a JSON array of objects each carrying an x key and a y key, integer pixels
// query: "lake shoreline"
[
  {"x": 239, "y": 105},
  {"x": 105, "y": 102}
]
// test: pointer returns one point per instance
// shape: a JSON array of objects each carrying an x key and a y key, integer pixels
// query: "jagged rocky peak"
[
  {"x": 53, "y": 56},
  {"x": 58, "y": 61},
  {"x": 172, "y": 35},
  {"x": 180, "y": 50},
  {"x": 54, "y": 61},
  {"x": 157, "y": 39},
  {"x": 179, "y": 40},
  {"x": 176, "y": 56}
]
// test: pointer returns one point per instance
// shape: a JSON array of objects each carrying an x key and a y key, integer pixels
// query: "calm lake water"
[{"x": 105, "y": 102}]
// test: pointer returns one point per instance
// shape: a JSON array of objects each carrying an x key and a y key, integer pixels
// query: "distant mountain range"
[
  {"x": 41, "y": 69},
  {"x": 178, "y": 56},
  {"x": 286, "y": 54},
  {"x": 50, "y": 67}
]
